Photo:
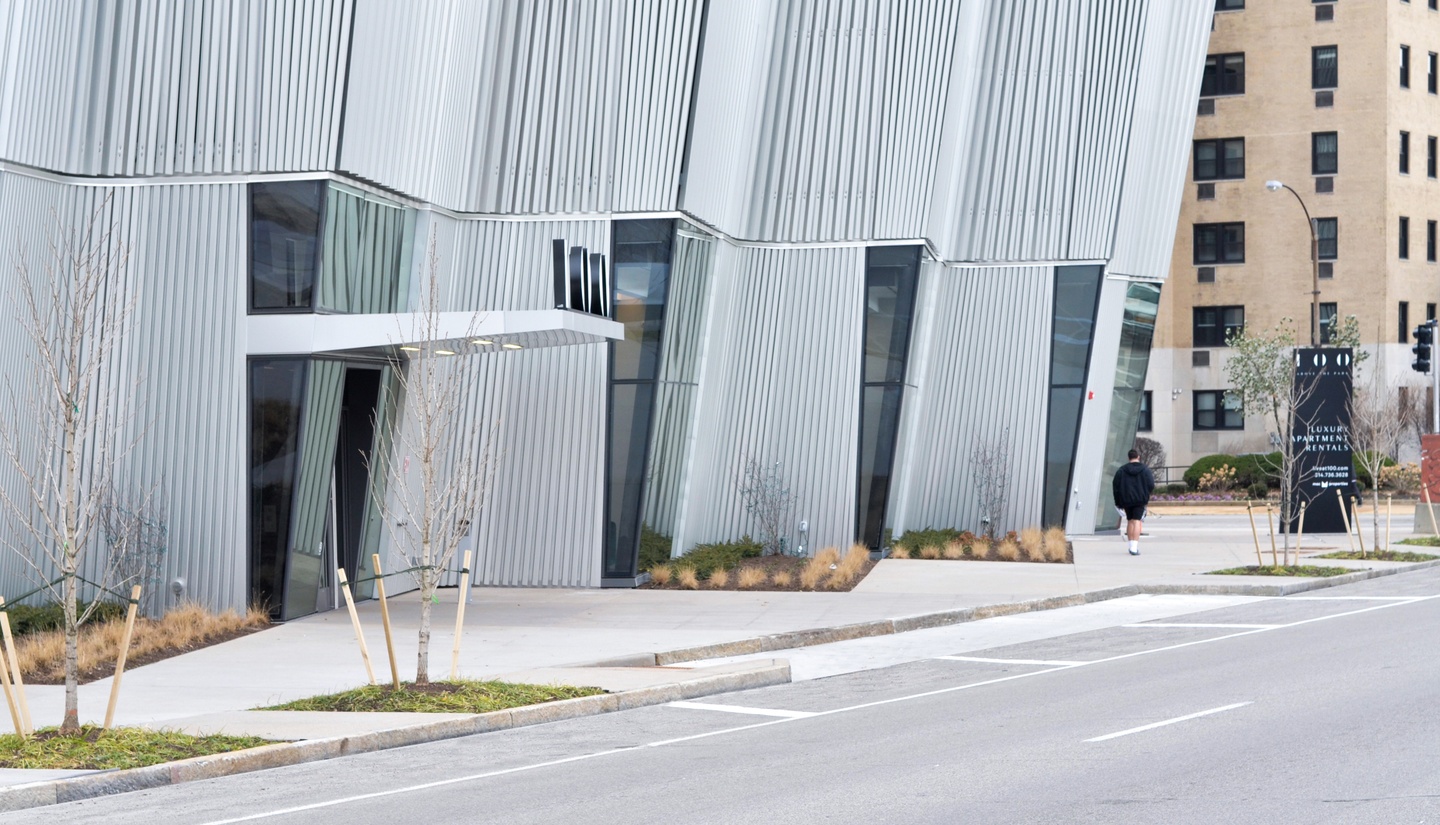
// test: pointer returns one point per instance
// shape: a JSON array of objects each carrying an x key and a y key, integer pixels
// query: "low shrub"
[
  {"x": 1203, "y": 465},
  {"x": 706, "y": 558},
  {"x": 654, "y": 548},
  {"x": 1176, "y": 489},
  {"x": 916, "y": 540},
  {"x": 1218, "y": 480},
  {"x": 1401, "y": 478},
  {"x": 26, "y": 619},
  {"x": 1363, "y": 476},
  {"x": 1251, "y": 468},
  {"x": 1258, "y": 490}
]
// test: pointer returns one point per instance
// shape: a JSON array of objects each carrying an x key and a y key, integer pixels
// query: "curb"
[{"x": 281, "y": 754}]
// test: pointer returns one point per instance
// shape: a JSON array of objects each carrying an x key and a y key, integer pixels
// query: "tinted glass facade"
[
  {"x": 1077, "y": 296},
  {"x": 285, "y": 225},
  {"x": 277, "y": 389},
  {"x": 1129, "y": 403}
]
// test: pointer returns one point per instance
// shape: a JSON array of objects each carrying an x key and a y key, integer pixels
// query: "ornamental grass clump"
[
  {"x": 687, "y": 579},
  {"x": 749, "y": 577},
  {"x": 849, "y": 567},
  {"x": 953, "y": 550},
  {"x": 719, "y": 578},
  {"x": 980, "y": 549},
  {"x": 661, "y": 574},
  {"x": 818, "y": 568},
  {"x": 930, "y": 551},
  {"x": 1056, "y": 547},
  {"x": 782, "y": 578},
  {"x": 1008, "y": 550},
  {"x": 1032, "y": 541},
  {"x": 899, "y": 551}
]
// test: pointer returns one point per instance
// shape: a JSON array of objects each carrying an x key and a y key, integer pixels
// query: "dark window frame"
[
  {"x": 1327, "y": 243},
  {"x": 1404, "y": 152},
  {"x": 1430, "y": 241},
  {"x": 1430, "y": 166},
  {"x": 1223, "y": 165},
  {"x": 1321, "y": 78},
  {"x": 1404, "y": 66},
  {"x": 1404, "y": 334},
  {"x": 1210, "y": 326},
  {"x": 1329, "y": 311},
  {"x": 1404, "y": 238},
  {"x": 1431, "y": 79},
  {"x": 1224, "y": 245},
  {"x": 1229, "y": 5},
  {"x": 1316, "y": 155},
  {"x": 1224, "y": 75},
  {"x": 1226, "y": 415}
]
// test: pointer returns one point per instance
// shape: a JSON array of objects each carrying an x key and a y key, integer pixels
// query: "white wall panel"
[
  {"x": 1177, "y": 35},
  {"x": 782, "y": 384},
  {"x": 981, "y": 365}
]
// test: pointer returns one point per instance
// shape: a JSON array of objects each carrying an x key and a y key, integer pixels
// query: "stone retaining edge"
[{"x": 280, "y": 754}]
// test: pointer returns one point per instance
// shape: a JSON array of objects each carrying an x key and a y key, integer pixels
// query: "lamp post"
[{"x": 1276, "y": 186}]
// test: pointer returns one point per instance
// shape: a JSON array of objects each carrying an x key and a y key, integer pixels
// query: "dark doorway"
[{"x": 352, "y": 464}]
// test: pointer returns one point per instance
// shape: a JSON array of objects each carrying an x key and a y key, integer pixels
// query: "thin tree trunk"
[
  {"x": 427, "y": 589},
  {"x": 71, "y": 722}
]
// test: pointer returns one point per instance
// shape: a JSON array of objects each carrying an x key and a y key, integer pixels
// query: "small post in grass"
[
  {"x": 1387, "y": 521},
  {"x": 1429, "y": 513},
  {"x": 1274, "y": 551},
  {"x": 1299, "y": 534},
  {"x": 1359, "y": 533},
  {"x": 460, "y": 616},
  {"x": 19, "y": 681},
  {"x": 10, "y": 695},
  {"x": 1250, "y": 508},
  {"x": 355, "y": 622},
  {"x": 385, "y": 620},
  {"x": 1345, "y": 515},
  {"x": 120, "y": 659}
]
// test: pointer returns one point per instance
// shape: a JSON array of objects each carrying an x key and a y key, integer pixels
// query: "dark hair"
[{"x": 1134, "y": 454}]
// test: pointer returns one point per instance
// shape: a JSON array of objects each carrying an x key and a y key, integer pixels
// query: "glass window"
[
  {"x": 1324, "y": 67},
  {"x": 365, "y": 266},
  {"x": 1218, "y": 410},
  {"x": 1404, "y": 153},
  {"x": 1214, "y": 325},
  {"x": 1145, "y": 423},
  {"x": 1220, "y": 159},
  {"x": 1130, "y": 401},
  {"x": 1324, "y": 153},
  {"x": 641, "y": 272},
  {"x": 1404, "y": 67},
  {"x": 1229, "y": 5},
  {"x": 284, "y": 244},
  {"x": 1224, "y": 75},
  {"x": 1329, "y": 314},
  {"x": 1430, "y": 241},
  {"x": 1430, "y": 70},
  {"x": 277, "y": 391},
  {"x": 1404, "y": 333},
  {"x": 1077, "y": 292},
  {"x": 1404, "y": 238},
  {"x": 1219, "y": 243},
  {"x": 1327, "y": 236}
]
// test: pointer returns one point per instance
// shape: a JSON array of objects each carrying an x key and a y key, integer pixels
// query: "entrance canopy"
[{"x": 459, "y": 333}]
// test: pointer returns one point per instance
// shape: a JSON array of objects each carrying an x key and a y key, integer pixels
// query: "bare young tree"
[
  {"x": 768, "y": 499},
  {"x": 1152, "y": 455},
  {"x": 1376, "y": 426},
  {"x": 136, "y": 540},
  {"x": 990, "y": 465},
  {"x": 433, "y": 480},
  {"x": 64, "y": 431}
]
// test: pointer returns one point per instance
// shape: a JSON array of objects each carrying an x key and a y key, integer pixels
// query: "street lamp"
[{"x": 1276, "y": 186}]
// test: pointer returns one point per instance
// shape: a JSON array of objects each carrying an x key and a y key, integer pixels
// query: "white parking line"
[
  {"x": 1351, "y": 598},
  {"x": 1154, "y": 725},
  {"x": 783, "y": 714},
  {"x": 1199, "y": 624},
  {"x": 1041, "y": 662}
]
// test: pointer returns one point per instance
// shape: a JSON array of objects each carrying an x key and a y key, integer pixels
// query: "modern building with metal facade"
[{"x": 847, "y": 238}]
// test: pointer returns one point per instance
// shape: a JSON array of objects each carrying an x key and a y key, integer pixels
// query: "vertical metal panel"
[
  {"x": 1171, "y": 63},
  {"x": 154, "y": 87},
  {"x": 782, "y": 385},
  {"x": 972, "y": 382},
  {"x": 184, "y": 357},
  {"x": 545, "y": 107}
]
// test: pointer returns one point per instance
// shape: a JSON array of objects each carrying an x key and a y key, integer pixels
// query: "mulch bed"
[
  {"x": 771, "y": 565},
  {"x": 102, "y": 670}
]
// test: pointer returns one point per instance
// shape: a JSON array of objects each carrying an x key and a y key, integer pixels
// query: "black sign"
[{"x": 1322, "y": 438}]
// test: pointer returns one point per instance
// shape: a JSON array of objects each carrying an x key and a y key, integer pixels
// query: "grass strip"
[
  {"x": 1421, "y": 541},
  {"x": 1379, "y": 555},
  {"x": 464, "y": 696},
  {"x": 95, "y": 749},
  {"x": 1302, "y": 570}
]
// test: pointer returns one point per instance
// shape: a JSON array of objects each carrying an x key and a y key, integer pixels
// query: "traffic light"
[{"x": 1424, "y": 336}]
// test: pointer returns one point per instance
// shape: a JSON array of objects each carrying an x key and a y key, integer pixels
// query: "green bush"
[
  {"x": 1250, "y": 469},
  {"x": 1178, "y": 489},
  {"x": 26, "y": 618},
  {"x": 1364, "y": 478},
  {"x": 705, "y": 558},
  {"x": 654, "y": 547},
  {"x": 1206, "y": 464},
  {"x": 913, "y": 540},
  {"x": 1258, "y": 490}
]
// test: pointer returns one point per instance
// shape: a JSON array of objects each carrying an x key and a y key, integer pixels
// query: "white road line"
[
  {"x": 1041, "y": 662},
  {"x": 1154, "y": 725},
  {"x": 1352, "y": 598},
  {"x": 1199, "y": 624},
  {"x": 783, "y": 714},
  {"x": 865, "y": 706}
]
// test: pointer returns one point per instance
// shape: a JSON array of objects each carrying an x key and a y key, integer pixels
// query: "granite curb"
[{"x": 280, "y": 754}]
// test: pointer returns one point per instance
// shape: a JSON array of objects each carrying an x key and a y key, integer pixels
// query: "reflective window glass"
[{"x": 284, "y": 244}]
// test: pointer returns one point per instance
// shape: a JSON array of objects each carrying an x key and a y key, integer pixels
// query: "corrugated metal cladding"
[
  {"x": 782, "y": 385},
  {"x": 967, "y": 390},
  {"x": 523, "y": 107},
  {"x": 156, "y": 87},
  {"x": 185, "y": 359},
  {"x": 1176, "y": 38},
  {"x": 543, "y": 410}
]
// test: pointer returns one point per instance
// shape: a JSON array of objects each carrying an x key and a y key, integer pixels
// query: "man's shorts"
[{"x": 1136, "y": 513}]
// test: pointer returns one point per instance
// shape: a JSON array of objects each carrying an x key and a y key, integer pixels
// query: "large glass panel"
[
  {"x": 641, "y": 271},
  {"x": 1060, "y": 450},
  {"x": 1077, "y": 293},
  {"x": 630, "y": 409},
  {"x": 284, "y": 244},
  {"x": 311, "y": 545},
  {"x": 366, "y": 264},
  {"x": 276, "y": 392},
  {"x": 1127, "y": 405},
  {"x": 879, "y": 425}
]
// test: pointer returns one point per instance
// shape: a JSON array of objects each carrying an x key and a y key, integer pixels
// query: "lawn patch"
[
  {"x": 464, "y": 696},
  {"x": 1421, "y": 541},
  {"x": 1303, "y": 570},
  {"x": 1379, "y": 555},
  {"x": 114, "y": 749}
]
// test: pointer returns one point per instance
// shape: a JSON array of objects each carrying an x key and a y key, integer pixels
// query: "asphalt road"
[{"x": 1312, "y": 709}]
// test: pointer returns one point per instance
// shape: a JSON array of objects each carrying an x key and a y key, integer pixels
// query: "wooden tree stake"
[
  {"x": 1359, "y": 531},
  {"x": 355, "y": 622},
  {"x": 1259, "y": 559},
  {"x": 1387, "y": 521},
  {"x": 385, "y": 620},
  {"x": 1274, "y": 551},
  {"x": 120, "y": 659},
  {"x": 460, "y": 616},
  {"x": 10, "y": 694},
  {"x": 1344, "y": 514},
  {"x": 1429, "y": 511},
  {"x": 19, "y": 681},
  {"x": 1299, "y": 533}
]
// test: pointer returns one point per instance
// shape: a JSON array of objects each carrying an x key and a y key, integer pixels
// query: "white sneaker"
[{"x": 1134, "y": 551}]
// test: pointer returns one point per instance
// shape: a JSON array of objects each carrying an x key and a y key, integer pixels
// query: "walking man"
[{"x": 1133, "y": 485}]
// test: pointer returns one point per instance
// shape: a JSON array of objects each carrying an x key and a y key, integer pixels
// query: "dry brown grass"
[
  {"x": 1032, "y": 541},
  {"x": 981, "y": 549},
  {"x": 849, "y": 567},
  {"x": 1008, "y": 550},
  {"x": 899, "y": 552},
  {"x": 1055, "y": 549},
  {"x": 661, "y": 574},
  {"x": 189, "y": 626},
  {"x": 782, "y": 578},
  {"x": 930, "y": 551},
  {"x": 719, "y": 577},
  {"x": 953, "y": 550},
  {"x": 750, "y": 577},
  {"x": 687, "y": 579},
  {"x": 818, "y": 569}
]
